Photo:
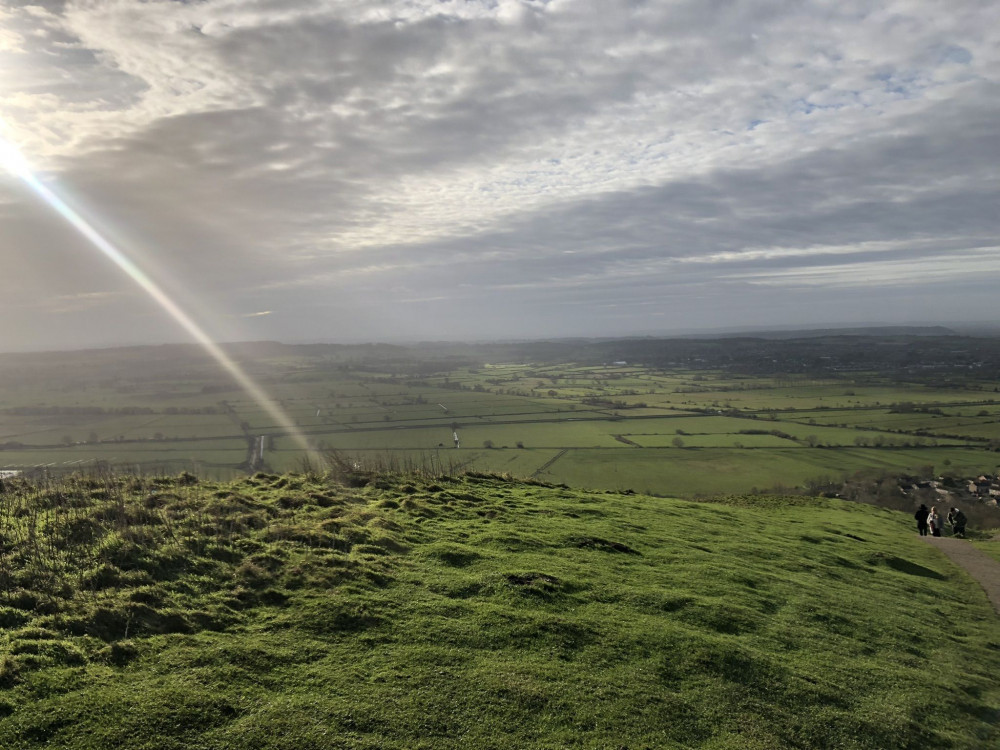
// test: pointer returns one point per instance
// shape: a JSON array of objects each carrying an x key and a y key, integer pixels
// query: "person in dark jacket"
[
  {"x": 921, "y": 516},
  {"x": 957, "y": 520}
]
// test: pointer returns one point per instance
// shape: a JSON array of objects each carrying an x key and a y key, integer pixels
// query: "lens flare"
[{"x": 14, "y": 162}]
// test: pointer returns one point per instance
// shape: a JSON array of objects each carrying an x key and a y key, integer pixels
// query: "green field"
[
  {"x": 690, "y": 471},
  {"x": 662, "y": 430}
]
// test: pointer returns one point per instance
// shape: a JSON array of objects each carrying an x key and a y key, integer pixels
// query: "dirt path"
[{"x": 975, "y": 562}]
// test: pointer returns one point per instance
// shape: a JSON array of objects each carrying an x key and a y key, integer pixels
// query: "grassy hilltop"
[{"x": 300, "y": 611}]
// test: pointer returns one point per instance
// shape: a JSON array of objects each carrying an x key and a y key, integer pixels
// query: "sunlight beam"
[{"x": 15, "y": 163}]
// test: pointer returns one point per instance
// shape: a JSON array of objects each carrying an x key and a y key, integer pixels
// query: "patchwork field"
[{"x": 656, "y": 429}]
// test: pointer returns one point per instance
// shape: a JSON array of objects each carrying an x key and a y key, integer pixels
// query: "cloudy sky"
[{"x": 343, "y": 170}]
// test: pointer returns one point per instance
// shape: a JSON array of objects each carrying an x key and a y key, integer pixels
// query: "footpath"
[{"x": 975, "y": 562}]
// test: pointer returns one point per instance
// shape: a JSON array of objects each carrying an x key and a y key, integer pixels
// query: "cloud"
[
  {"x": 978, "y": 265},
  {"x": 340, "y": 161},
  {"x": 75, "y": 303}
]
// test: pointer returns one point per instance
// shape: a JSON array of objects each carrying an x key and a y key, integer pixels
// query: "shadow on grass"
[{"x": 905, "y": 566}]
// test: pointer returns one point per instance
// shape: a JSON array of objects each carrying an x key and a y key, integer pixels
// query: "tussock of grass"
[{"x": 293, "y": 611}]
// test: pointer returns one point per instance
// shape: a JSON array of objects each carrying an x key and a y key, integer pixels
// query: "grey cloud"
[
  {"x": 833, "y": 199},
  {"x": 571, "y": 163}
]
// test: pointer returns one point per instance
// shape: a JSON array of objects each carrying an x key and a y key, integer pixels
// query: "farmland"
[{"x": 697, "y": 424}]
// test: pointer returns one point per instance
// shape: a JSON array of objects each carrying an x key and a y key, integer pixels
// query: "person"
[
  {"x": 957, "y": 520},
  {"x": 934, "y": 522},
  {"x": 921, "y": 516}
]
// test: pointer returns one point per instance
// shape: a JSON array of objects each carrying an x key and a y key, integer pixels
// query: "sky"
[{"x": 396, "y": 170}]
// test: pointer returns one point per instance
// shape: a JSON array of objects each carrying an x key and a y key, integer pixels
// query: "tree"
[
  {"x": 487, "y": 443},
  {"x": 678, "y": 442}
]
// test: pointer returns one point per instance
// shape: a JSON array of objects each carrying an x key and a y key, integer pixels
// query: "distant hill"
[
  {"x": 809, "y": 333},
  {"x": 927, "y": 352}
]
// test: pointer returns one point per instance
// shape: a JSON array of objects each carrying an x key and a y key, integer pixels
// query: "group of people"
[{"x": 929, "y": 521}]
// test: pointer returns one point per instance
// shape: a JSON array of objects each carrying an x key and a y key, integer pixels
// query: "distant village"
[{"x": 981, "y": 489}]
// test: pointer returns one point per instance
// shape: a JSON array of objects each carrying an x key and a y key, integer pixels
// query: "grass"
[
  {"x": 395, "y": 611},
  {"x": 692, "y": 471},
  {"x": 991, "y": 546}
]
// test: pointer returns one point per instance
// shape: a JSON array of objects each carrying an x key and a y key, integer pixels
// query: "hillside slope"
[{"x": 395, "y": 612}]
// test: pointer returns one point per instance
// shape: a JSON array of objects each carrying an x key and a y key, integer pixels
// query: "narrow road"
[{"x": 975, "y": 562}]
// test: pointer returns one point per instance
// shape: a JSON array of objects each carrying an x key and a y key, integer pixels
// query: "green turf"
[
  {"x": 989, "y": 546},
  {"x": 454, "y": 612}
]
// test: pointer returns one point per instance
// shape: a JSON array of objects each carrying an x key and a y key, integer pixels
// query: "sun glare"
[
  {"x": 11, "y": 159},
  {"x": 14, "y": 162}
]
